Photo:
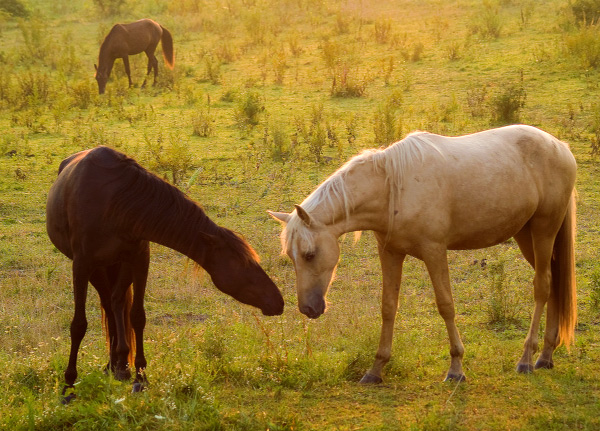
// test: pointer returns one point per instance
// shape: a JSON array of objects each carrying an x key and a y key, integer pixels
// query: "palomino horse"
[
  {"x": 428, "y": 194},
  {"x": 102, "y": 211},
  {"x": 124, "y": 40}
]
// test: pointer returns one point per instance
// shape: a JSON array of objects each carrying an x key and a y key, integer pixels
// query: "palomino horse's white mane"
[{"x": 393, "y": 161}]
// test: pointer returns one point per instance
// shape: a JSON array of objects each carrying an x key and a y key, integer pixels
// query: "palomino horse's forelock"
[{"x": 394, "y": 161}]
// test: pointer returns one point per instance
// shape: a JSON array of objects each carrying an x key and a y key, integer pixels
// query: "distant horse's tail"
[
  {"x": 167, "y": 47},
  {"x": 129, "y": 333},
  {"x": 563, "y": 277}
]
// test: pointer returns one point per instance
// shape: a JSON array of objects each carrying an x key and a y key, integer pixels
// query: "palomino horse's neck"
[{"x": 355, "y": 203}]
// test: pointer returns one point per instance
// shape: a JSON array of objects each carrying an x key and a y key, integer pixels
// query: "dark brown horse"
[
  {"x": 124, "y": 40},
  {"x": 102, "y": 211}
]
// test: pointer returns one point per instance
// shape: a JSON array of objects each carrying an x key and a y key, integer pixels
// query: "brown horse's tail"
[
  {"x": 129, "y": 333},
  {"x": 563, "y": 277},
  {"x": 167, "y": 47}
]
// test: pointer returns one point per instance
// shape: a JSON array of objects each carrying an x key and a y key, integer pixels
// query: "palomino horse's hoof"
[
  {"x": 544, "y": 363},
  {"x": 455, "y": 378},
  {"x": 371, "y": 379},
  {"x": 525, "y": 368}
]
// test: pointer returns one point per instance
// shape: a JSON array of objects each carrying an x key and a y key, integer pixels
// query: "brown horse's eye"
[{"x": 309, "y": 255}]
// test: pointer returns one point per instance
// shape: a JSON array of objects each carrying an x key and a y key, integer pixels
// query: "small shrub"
[
  {"x": 14, "y": 8},
  {"x": 346, "y": 84},
  {"x": 501, "y": 307},
  {"x": 203, "y": 123},
  {"x": 110, "y": 7},
  {"x": 585, "y": 11},
  {"x": 249, "y": 108},
  {"x": 595, "y": 290},
  {"x": 506, "y": 105},
  {"x": 212, "y": 69},
  {"x": 169, "y": 156},
  {"x": 383, "y": 30},
  {"x": 386, "y": 124},
  {"x": 84, "y": 93},
  {"x": 584, "y": 46}
]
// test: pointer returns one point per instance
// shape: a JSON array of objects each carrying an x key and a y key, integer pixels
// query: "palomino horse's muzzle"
[{"x": 313, "y": 307}]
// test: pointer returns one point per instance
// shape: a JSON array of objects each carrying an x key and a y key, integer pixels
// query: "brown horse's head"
[
  {"x": 234, "y": 269},
  {"x": 315, "y": 253},
  {"x": 102, "y": 79}
]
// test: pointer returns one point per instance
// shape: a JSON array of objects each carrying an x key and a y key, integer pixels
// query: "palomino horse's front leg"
[
  {"x": 138, "y": 315},
  {"x": 437, "y": 264},
  {"x": 391, "y": 267},
  {"x": 78, "y": 326}
]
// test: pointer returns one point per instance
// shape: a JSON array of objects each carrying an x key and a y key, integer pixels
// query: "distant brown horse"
[
  {"x": 124, "y": 40},
  {"x": 102, "y": 211}
]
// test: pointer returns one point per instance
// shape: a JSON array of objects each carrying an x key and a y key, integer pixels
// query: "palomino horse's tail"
[
  {"x": 167, "y": 47},
  {"x": 129, "y": 334},
  {"x": 563, "y": 277}
]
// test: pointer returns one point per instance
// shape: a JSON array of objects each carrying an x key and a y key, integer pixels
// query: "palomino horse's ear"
[
  {"x": 303, "y": 215},
  {"x": 282, "y": 217}
]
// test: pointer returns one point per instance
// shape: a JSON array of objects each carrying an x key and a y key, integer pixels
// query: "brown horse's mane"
[{"x": 148, "y": 207}]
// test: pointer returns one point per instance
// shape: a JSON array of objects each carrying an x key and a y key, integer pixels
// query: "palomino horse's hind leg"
[
  {"x": 78, "y": 326},
  {"x": 542, "y": 248},
  {"x": 437, "y": 264},
  {"x": 138, "y": 315},
  {"x": 391, "y": 267}
]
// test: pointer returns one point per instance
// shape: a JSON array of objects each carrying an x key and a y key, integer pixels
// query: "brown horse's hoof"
[
  {"x": 122, "y": 374},
  {"x": 137, "y": 387},
  {"x": 544, "y": 363},
  {"x": 525, "y": 368},
  {"x": 369, "y": 379},
  {"x": 68, "y": 394},
  {"x": 455, "y": 378}
]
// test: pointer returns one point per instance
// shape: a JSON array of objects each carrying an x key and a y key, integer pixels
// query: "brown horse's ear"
[
  {"x": 96, "y": 67},
  {"x": 281, "y": 217},
  {"x": 303, "y": 215}
]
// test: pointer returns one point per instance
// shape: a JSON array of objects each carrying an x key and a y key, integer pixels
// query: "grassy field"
[{"x": 267, "y": 98}]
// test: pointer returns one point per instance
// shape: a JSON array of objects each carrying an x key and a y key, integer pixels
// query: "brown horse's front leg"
[
  {"x": 437, "y": 264},
  {"x": 391, "y": 266},
  {"x": 138, "y": 315}
]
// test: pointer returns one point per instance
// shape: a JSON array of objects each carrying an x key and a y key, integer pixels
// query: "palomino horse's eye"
[{"x": 309, "y": 255}]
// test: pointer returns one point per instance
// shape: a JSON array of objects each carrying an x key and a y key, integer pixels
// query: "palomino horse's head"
[
  {"x": 315, "y": 252},
  {"x": 102, "y": 79}
]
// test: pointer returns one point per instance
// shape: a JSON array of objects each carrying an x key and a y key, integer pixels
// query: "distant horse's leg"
[
  {"x": 391, "y": 268},
  {"x": 78, "y": 324},
  {"x": 542, "y": 247},
  {"x": 152, "y": 64},
  {"x": 127, "y": 69},
  {"x": 138, "y": 315},
  {"x": 118, "y": 305},
  {"x": 436, "y": 261}
]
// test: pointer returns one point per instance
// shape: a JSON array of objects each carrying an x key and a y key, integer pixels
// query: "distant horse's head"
[
  {"x": 315, "y": 252},
  {"x": 102, "y": 79},
  {"x": 234, "y": 269}
]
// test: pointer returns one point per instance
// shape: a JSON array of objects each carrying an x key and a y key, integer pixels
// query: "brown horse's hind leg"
[
  {"x": 118, "y": 296},
  {"x": 152, "y": 64},
  {"x": 78, "y": 325},
  {"x": 138, "y": 315},
  {"x": 127, "y": 70},
  {"x": 437, "y": 264},
  {"x": 391, "y": 266},
  {"x": 103, "y": 279}
]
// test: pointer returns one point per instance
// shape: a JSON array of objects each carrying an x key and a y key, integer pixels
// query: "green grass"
[{"x": 258, "y": 76}]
